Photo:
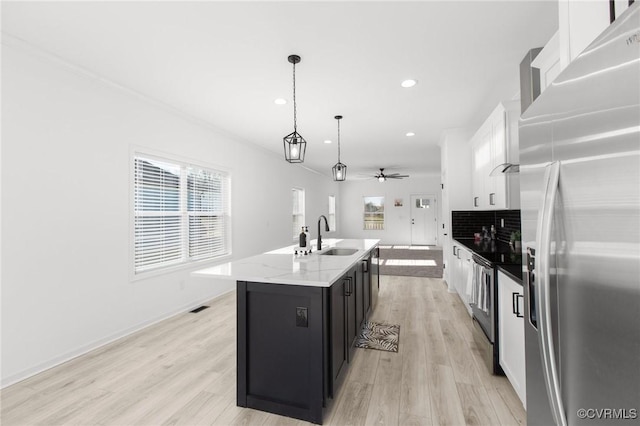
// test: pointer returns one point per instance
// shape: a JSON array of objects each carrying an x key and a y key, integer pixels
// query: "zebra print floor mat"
[{"x": 383, "y": 337}]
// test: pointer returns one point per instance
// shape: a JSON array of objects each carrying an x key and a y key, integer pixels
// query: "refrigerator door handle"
[{"x": 545, "y": 335}]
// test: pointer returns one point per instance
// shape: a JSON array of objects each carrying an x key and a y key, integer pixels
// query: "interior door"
[{"x": 423, "y": 220}]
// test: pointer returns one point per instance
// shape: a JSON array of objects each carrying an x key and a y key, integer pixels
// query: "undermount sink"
[{"x": 340, "y": 252}]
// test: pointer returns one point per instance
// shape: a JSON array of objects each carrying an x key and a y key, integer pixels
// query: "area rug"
[
  {"x": 418, "y": 261},
  {"x": 383, "y": 337}
]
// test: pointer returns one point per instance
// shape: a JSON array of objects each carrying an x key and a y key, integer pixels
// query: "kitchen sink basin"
[{"x": 339, "y": 252}]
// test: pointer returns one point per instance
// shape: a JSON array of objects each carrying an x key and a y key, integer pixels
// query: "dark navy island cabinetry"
[{"x": 295, "y": 341}]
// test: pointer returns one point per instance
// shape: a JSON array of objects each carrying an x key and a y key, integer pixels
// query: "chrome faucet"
[{"x": 326, "y": 228}]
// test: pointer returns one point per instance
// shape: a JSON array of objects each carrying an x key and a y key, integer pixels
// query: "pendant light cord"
[
  {"x": 338, "y": 141},
  {"x": 295, "y": 124}
]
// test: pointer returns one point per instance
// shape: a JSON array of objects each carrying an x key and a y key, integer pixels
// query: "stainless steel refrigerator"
[{"x": 580, "y": 206}]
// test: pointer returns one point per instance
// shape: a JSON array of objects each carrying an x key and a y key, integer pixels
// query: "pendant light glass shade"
[
  {"x": 295, "y": 146},
  {"x": 339, "y": 170}
]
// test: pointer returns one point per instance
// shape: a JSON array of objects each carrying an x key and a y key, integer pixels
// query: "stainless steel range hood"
[{"x": 505, "y": 168}]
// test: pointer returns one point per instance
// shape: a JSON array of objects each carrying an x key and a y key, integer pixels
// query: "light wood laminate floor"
[{"x": 182, "y": 372}]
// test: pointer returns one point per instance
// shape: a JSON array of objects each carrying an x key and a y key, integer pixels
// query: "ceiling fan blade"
[{"x": 385, "y": 176}]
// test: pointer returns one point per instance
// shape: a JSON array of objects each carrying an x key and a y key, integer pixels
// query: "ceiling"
[{"x": 226, "y": 63}]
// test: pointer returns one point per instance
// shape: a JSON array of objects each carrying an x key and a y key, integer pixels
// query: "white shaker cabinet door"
[{"x": 511, "y": 333}]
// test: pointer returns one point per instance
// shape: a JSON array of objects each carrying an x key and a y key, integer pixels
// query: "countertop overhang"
[{"x": 282, "y": 266}]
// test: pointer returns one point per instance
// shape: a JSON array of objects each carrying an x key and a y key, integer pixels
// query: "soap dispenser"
[{"x": 303, "y": 239}]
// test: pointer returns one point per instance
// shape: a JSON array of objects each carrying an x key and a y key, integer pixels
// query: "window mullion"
[{"x": 184, "y": 213}]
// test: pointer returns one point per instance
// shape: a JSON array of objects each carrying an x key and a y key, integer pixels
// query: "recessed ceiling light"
[
  {"x": 280, "y": 101},
  {"x": 409, "y": 83},
  {"x": 411, "y": 134},
  {"x": 327, "y": 141}
]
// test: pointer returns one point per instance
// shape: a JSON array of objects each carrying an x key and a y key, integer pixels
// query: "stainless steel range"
[{"x": 484, "y": 308}]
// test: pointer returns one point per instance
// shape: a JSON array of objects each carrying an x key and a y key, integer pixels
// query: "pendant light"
[
  {"x": 339, "y": 170},
  {"x": 294, "y": 144}
]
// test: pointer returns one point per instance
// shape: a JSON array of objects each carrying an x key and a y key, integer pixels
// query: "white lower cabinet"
[
  {"x": 460, "y": 272},
  {"x": 511, "y": 333}
]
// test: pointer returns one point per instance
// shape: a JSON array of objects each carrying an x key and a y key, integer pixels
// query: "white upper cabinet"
[
  {"x": 580, "y": 22},
  {"x": 495, "y": 143},
  {"x": 481, "y": 164},
  {"x": 548, "y": 61}
]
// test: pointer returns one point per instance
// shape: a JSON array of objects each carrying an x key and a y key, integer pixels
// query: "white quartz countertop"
[{"x": 281, "y": 266}]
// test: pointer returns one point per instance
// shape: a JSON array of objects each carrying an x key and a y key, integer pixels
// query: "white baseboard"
[{"x": 84, "y": 349}]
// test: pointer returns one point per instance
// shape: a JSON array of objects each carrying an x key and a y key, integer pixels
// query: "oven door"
[{"x": 486, "y": 317}]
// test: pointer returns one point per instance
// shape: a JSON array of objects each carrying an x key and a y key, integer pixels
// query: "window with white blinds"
[
  {"x": 298, "y": 211},
  {"x": 181, "y": 213}
]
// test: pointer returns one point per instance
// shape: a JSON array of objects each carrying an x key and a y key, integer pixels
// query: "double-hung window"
[
  {"x": 181, "y": 213},
  {"x": 332, "y": 213},
  {"x": 298, "y": 210},
  {"x": 373, "y": 213}
]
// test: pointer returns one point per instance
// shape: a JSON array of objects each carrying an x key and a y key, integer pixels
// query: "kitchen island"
[{"x": 297, "y": 320}]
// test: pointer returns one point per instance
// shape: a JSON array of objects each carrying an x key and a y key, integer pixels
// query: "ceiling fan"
[{"x": 382, "y": 176}]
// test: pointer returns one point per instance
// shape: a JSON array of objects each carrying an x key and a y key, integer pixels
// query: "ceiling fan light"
[{"x": 381, "y": 179}]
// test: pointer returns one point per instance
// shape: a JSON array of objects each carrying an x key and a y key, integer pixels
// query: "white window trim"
[{"x": 171, "y": 157}]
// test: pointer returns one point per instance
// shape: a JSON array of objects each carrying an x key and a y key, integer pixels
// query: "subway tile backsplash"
[
  {"x": 511, "y": 223},
  {"x": 465, "y": 223}
]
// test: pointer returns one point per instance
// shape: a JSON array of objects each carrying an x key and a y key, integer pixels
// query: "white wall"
[
  {"x": 397, "y": 220},
  {"x": 66, "y": 252},
  {"x": 455, "y": 164}
]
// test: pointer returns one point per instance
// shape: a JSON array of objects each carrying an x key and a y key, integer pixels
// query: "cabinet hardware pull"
[
  {"x": 347, "y": 287},
  {"x": 365, "y": 264},
  {"x": 475, "y": 201},
  {"x": 492, "y": 200},
  {"x": 515, "y": 301},
  {"x": 454, "y": 250}
]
